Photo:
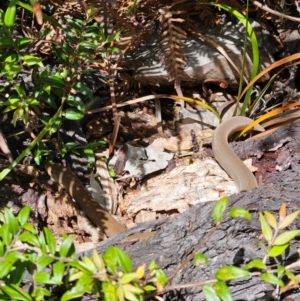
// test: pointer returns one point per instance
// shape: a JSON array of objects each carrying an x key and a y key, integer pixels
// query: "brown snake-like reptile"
[
  {"x": 105, "y": 221},
  {"x": 237, "y": 170}
]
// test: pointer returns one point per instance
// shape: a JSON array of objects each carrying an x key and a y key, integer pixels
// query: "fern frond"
[{"x": 172, "y": 42}]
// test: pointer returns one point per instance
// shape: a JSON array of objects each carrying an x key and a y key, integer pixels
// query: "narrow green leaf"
[
  {"x": 255, "y": 264},
  {"x": 31, "y": 60},
  {"x": 11, "y": 221},
  {"x": 292, "y": 277},
  {"x": 210, "y": 293},
  {"x": 271, "y": 278},
  {"x": 67, "y": 247},
  {"x": 10, "y": 14},
  {"x": 222, "y": 291},
  {"x": 280, "y": 271},
  {"x": 30, "y": 238},
  {"x": 270, "y": 219},
  {"x": 286, "y": 237},
  {"x": 230, "y": 272},
  {"x": 23, "y": 215},
  {"x": 130, "y": 296},
  {"x": 61, "y": 55},
  {"x": 128, "y": 278},
  {"x": 73, "y": 114},
  {"x": 16, "y": 292},
  {"x": 266, "y": 229},
  {"x": 161, "y": 277},
  {"x": 219, "y": 209},
  {"x": 43, "y": 261},
  {"x": 277, "y": 250},
  {"x": 42, "y": 277},
  {"x": 51, "y": 242},
  {"x": 58, "y": 272},
  {"x": 240, "y": 212}
]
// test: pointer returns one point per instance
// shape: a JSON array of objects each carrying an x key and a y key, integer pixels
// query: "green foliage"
[
  {"x": 25, "y": 251},
  {"x": 62, "y": 88}
]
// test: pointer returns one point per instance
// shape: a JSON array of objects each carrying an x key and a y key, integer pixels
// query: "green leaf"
[
  {"x": 280, "y": 271},
  {"x": 67, "y": 247},
  {"x": 23, "y": 42},
  {"x": 286, "y": 237},
  {"x": 277, "y": 250},
  {"x": 266, "y": 229},
  {"x": 31, "y": 60},
  {"x": 130, "y": 296},
  {"x": 222, "y": 291},
  {"x": 271, "y": 278},
  {"x": 10, "y": 14},
  {"x": 15, "y": 292},
  {"x": 30, "y": 238},
  {"x": 42, "y": 277},
  {"x": 7, "y": 264},
  {"x": 149, "y": 288},
  {"x": 51, "y": 242},
  {"x": 51, "y": 80},
  {"x": 240, "y": 212},
  {"x": 128, "y": 278},
  {"x": 42, "y": 241},
  {"x": 43, "y": 261},
  {"x": 83, "y": 89},
  {"x": 89, "y": 264},
  {"x": 6, "y": 234},
  {"x": 29, "y": 227},
  {"x": 90, "y": 155},
  {"x": 23, "y": 215},
  {"x": 73, "y": 114},
  {"x": 219, "y": 209},
  {"x": 209, "y": 293},
  {"x": 11, "y": 221},
  {"x": 161, "y": 277},
  {"x": 61, "y": 55},
  {"x": 199, "y": 259},
  {"x": 110, "y": 291},
  {"x": 120, "y": 256},
  {"x": 270, "y": 219},
  {"x": 58, "y": 272},
  {"x": 292, "y": 277},
  {"x": 230, "y": 272},
  {"x": 255, "y": 264}
]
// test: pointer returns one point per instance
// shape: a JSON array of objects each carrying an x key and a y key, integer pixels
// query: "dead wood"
[{"x": 235, "y": 242}]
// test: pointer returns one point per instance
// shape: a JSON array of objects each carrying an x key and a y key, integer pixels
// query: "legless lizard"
[{"x": 237, "y": 170}]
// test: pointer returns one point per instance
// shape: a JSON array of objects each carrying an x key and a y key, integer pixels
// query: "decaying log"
[{"x": 234, "y": 242}]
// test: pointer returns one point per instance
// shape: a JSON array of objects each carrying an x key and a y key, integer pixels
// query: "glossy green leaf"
[
  {"x": 10, "y": 14},
  {"x": 5, "y": 234},
  {"x": 15, "y": 292},
  {"x": 266, "y": 229},
  {"x": 31, "y": 60},
  {"x": 161, "y": 277},
  {"x": 29, "y": 227},
  {"x": 73, "y": 114},
  {"x": 230, "y": 272},
  {"x": 51, "y": 242},
  {"x": 11, "y": 221},
  {"x": 280, "y": 271},
  {"x": 61, "y": 55},
  {"x": 209, "y": 293},
  {"x": 23, "y": 215},
  {"x": 277, "y": 250},
  {"x": 255, "y": 264},
  {"x": 89, "y": 264},
  {"x": 240, "y": 212},
  {"x": 128, "y": 278},
  {"x": 130, "y": 296},
  {"x": 7, "y": 264},
  {"x": 222, "y": 291},
  {"x": 42, "y": 277},
  {"x": 58, "y": 272},
  {"x": 67, "y": 247},
  {"x": 43, "y": 261},
  {"x": 30, "y": 238},
  {"x": 42, "y": 241},
  {"x": 219, "y": 209},
  {"x": 271, "y": 278}
]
